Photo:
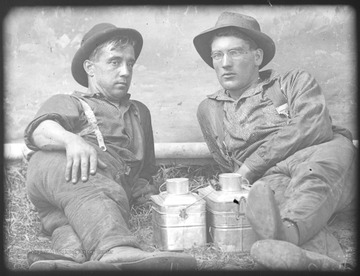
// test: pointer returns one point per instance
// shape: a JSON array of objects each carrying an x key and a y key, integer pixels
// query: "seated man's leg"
[
  {"x": 320, "y": 182},
  {"x": 97, "y": 210},
  {"x": 65, "y": 242}
]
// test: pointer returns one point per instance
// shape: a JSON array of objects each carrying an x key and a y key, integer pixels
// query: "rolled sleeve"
[{"x": 62, "y": 109}]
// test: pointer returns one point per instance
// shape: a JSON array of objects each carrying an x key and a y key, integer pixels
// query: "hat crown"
[
  {"x": 238, "y": 20},
  {"x": 97, "y": 29}
]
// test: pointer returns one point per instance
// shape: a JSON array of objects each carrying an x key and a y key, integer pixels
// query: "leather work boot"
[
  {"x": 50, "y": 265},
  {"x": 282, "y": 255},
  {"x": 263, "y": 213},
  {"x": 131, "y": 258}
]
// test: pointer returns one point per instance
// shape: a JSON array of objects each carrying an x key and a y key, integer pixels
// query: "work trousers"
[
  {"x": 88, "y": 218},
  {"x": 311, "y": 187}
]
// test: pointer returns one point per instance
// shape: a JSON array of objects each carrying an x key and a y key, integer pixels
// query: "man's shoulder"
[
  {"x": 295, "y": 73},
  {"x": 59, "y": 98},
  {"x": 139, "y": 104},
  {"x": 143, "y": 109},
  {"x": 208, "y": 105}
]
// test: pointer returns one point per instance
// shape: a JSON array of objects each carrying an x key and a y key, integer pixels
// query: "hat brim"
[
  {"x": 263, "y": 41},
  {"x": 89, "y": 45}
]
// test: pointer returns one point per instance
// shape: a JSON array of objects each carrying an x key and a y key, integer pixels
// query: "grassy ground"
[{"x": 22, "y": 226}]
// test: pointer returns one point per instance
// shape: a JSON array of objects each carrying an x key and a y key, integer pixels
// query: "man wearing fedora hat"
[
  {"x": 94, "y": 156},
  {"x": 275, "y": 130}
]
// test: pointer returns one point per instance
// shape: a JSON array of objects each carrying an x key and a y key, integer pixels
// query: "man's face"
[
  {"x": 112, "y": 71},
  {"x": 236, "y": 66}
]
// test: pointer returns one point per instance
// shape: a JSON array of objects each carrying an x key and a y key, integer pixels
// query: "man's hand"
[
  {"x": 142, "y": 190},
  {"x": 245, "y": 172},
  {"x": 81, "y": 156}
]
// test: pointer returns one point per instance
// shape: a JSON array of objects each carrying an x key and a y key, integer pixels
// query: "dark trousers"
[{"x": 90, "y": 217}]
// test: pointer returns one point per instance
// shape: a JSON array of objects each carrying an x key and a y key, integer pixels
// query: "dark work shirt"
[{"x": 126, "y": 127}]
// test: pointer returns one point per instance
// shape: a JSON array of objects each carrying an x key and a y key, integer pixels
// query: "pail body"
[
  {"x": 227, "y": 224},
  {"x": 179, "y": 219}
]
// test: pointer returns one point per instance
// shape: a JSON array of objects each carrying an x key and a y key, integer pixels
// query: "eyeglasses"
[{"x": 233, "y": 53}]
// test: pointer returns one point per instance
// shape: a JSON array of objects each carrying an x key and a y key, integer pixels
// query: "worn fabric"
[
  {"x": 126, "y": 128},
  {"x": 96, "y": 210},
  {"x": 308, "y": 162},
  {"x": 255, "y": 134}
]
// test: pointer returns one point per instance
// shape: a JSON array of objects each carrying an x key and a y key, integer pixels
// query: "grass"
[{"x": 22, "y": 228}]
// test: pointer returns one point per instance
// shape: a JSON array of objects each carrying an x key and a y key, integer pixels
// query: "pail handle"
[
  {"x": 241, "y": 208},
  {"x": 211, "y": 236}
]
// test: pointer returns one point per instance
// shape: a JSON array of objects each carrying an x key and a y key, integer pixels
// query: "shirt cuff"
[
  {"x": 36, "y": 122},
  {"x": 257, "y": 164}
]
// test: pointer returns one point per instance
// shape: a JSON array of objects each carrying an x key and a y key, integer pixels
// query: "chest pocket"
[{"x": 276, "y": 94}]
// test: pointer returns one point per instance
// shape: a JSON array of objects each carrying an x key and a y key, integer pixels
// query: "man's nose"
[
  {"x": 226, "y": 60},
  {"x": 124, "y": 69}
]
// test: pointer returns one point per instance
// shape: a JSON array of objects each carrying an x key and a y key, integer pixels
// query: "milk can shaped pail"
[
  {"x": 227, "y": 225},
  {"x": 178, "y": 217}
]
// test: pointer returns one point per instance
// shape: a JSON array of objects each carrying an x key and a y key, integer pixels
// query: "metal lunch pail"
[{"x": 178, "y": 216}]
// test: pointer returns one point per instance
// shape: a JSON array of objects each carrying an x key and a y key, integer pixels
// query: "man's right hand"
[
  {"x": 81, "y": 157},
  {"x": 81, "y": 160}
]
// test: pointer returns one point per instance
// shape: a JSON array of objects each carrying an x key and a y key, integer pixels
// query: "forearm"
[{"x": 50, "y": 135}]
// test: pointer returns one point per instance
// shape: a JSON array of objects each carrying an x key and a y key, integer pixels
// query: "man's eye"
[
  {"x": 114, "y": 62},
  {"x": 131, "y": 64},
  {"x": 235, "y": 53},
  {"x": 216, "y": 55}
]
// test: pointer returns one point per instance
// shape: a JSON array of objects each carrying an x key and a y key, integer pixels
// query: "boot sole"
[
  {"x": 166, "y": 262},
  {"x": 51, "y": 265}
]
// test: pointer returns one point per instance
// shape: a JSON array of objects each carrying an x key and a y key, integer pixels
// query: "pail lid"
[
  {"x": 230, "y": 182},
  {"x": 178, "y": 186}
]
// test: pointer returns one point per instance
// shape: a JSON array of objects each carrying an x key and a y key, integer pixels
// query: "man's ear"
[
  {"x": 259, "y": 56},
  {"x": 89, "y": 67}
]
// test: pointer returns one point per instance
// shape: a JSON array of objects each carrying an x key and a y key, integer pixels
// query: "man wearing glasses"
[{"x": 275, "y": 130}]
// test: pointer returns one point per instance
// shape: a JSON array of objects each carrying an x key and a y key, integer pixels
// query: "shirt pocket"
[{"x": 264, "y": 119}]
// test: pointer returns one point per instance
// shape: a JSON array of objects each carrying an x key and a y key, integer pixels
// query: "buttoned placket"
[{"x": 122, "y": 110}]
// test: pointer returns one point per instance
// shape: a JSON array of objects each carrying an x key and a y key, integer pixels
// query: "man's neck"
[{"x": 236, "y": 94}]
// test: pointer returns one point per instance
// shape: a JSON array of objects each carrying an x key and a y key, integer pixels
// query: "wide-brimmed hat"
[
  {"x": 246, "y": 25},
  {"x": 93, "y": 38}
]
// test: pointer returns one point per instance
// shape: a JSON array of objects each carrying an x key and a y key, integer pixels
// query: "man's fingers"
[
  {"x": 68, "y": 169},
  {"x": 75, "y": 170},
  {"x": 84, "y": 169},
  {"x": 93, "y": 164}
]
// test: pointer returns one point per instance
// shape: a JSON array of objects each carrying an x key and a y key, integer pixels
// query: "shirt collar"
[
  {"x": 267, "y": 76},
  {"x": 124, "y": 101}
]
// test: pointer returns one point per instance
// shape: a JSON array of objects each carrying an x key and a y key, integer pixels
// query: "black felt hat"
[{"x": 93, "y": 38}]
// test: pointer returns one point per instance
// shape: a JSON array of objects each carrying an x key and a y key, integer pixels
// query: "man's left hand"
[
  {"x": 245, "y": 172},
  {"x": 142, "y": 190}
]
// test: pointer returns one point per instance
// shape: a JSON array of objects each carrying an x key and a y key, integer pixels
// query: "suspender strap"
[{"x": 93, "y": 123}]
